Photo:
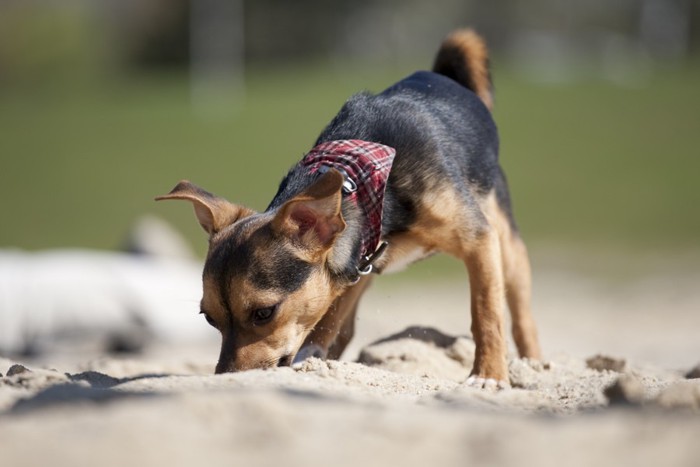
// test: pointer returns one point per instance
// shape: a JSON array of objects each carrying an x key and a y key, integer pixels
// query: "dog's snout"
[{"x": 285, "y": 361}]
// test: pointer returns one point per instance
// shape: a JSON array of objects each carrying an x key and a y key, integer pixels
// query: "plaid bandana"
[{"x": 366, "y": 168}]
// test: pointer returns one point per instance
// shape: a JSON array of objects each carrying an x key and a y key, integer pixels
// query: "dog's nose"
[
  {"x": 222, "y": 368},
  {"x": 285, "y": 361}
]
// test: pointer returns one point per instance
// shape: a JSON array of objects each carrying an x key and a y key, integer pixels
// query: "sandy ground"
[{"x": 404, "y": 404}]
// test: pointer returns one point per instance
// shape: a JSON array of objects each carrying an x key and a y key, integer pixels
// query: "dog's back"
[{"x": 441, "y": 126}]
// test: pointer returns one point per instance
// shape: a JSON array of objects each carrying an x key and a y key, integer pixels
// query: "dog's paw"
[
  {"x": 486, "y": 383},
  {"x": 309, "y": 351}
]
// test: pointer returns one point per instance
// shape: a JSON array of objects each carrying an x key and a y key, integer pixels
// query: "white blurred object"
[
  {"x": 152, "y": 236},
  {"x": 73, "y": 295}
]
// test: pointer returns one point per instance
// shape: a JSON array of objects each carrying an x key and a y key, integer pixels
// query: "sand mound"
[
  {"x": 416, "y": 365},
  {"x": 402, "y": 403},
  {"x": 422, "y": 351}
]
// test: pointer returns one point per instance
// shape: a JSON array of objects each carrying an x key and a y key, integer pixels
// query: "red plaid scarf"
[{"x": 366, "y": 168}]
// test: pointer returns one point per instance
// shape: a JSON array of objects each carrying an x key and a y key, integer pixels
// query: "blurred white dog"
[{"x": 123, "y": 299}]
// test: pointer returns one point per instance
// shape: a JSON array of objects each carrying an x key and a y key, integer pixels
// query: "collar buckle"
[
  {"x": 366, "y": 266},
  {"x": 349, "y": 185}
]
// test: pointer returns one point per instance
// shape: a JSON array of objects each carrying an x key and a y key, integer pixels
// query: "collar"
[{"x": 366, "y": 167}]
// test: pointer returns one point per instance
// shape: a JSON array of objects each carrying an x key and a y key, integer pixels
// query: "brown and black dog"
[{"x": 395, "y": 177}]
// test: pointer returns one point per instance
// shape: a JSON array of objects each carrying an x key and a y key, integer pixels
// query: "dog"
[{"x": 394, "y": 177}]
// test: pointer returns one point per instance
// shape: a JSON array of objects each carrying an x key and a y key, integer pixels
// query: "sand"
[{"x": 614, "y": 389}]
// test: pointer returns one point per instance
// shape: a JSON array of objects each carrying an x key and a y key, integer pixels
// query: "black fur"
[
  {"x": 279, "y": 270},
  {"x": 450, "y": 62},
  {"x": 442, "y": 133}
]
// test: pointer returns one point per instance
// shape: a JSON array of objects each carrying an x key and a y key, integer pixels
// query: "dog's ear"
[
  {"x": 313, "y": 217},
  {"x": 213, "y": 213}
]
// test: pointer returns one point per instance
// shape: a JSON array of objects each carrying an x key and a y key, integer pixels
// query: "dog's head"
[{"x": 266, "y": 280}]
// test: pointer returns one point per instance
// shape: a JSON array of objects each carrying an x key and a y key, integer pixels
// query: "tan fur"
[
  {"x": 308, "y": 225},
  {"x": 213, "y": 213},
  {"x": 319, "y": 309},
  {"x": 517, "y": 276},
  {"x": 483, "y": 260},
  {"x": 262, "y": 347},
  {"x": 498, "y": 266},
  {"x": 322, "y": 314},
  {"x": 463, "y": 234},
  {"x": 468, "y": 46},
  {"x": 314, "y": 215},
  {"x": 443, "y": 225},
  {"x": 335, "y": 330}
]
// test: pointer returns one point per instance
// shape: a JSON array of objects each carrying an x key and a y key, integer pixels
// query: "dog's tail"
[{"x": 464, "y": 58}]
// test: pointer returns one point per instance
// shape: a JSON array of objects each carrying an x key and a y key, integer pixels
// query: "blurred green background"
[{"x": 106, "y": 104}]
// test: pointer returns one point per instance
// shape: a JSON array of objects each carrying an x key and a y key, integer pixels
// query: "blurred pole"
[
  {"x": 216, "y": 57},
  {"x": 665, "y": 28}
]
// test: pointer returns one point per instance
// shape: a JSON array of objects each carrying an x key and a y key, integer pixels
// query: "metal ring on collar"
[{"x": 349, "y": 185}]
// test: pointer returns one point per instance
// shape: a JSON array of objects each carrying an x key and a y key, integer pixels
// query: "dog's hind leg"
[
  {"x": 516, "y": 270},
  {"x": 335, "y": 330},
  {"x": 517, "y": 278}
]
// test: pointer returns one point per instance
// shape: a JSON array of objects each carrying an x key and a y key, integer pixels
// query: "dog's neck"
[{"x": 366, "y": 167}]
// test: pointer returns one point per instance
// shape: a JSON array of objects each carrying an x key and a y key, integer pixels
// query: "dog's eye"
[{"x": 264, "y": 315}]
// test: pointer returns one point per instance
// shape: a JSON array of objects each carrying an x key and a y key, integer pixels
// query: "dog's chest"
[{"x": 402, "y": 254}]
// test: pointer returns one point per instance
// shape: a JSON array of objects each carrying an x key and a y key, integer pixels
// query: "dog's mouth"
[{"x": 285, "y": 360}]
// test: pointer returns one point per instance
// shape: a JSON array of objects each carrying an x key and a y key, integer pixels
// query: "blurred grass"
[
  {"x": 603, "y": 164},
  {"x": 588, "y": 163}
]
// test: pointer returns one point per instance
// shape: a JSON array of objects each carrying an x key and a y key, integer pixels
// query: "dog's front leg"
[
  {"x": 484, "y": 263},
  {"x": 335, "y": 330}
]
